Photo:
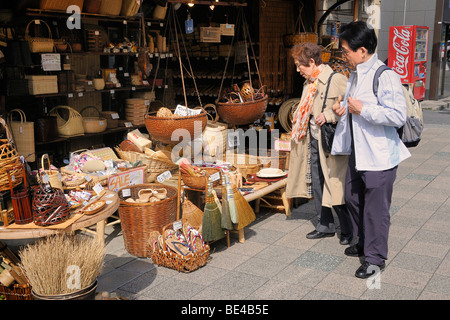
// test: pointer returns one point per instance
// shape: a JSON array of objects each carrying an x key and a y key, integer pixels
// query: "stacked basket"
[{"x": 135, "y": 111}]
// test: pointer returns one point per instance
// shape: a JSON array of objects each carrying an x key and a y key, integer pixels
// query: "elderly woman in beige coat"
[{"x": 313, "y": 172}]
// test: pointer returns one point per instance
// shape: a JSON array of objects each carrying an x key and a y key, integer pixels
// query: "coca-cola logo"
[{"x": 401, "y": 45}]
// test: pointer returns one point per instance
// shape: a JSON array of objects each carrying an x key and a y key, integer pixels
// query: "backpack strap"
[
  {"x": 379, "y": 71},
  {"x": 326, "y": 91}
]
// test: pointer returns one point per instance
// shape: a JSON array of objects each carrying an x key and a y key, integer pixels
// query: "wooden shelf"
[{"x": 87, "y": 135}]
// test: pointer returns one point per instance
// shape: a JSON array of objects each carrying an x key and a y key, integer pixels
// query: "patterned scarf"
[{"x": 301, "y": 115}]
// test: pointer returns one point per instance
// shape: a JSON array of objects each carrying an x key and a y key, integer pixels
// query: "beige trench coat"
[{"x": 334, "y": 168}]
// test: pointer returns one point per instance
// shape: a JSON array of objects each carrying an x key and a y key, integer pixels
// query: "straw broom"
[
  {"x": 226, "y": 218},
  {"x": 46, "y": 263},
  {"x": 231, "y": 203},
  {"x": 211, "y": 224},
  {"x": 245, "y": 212}
]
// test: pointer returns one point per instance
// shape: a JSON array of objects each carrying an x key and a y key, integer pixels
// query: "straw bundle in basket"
[
  {"x": 139, "y": 219},
  {"x": 23, "y": 134},
  {"x": 73, "y": 126},
  {"x": 161, "y": 128},
  {"x": 94, "y": 124},
  {"x": 9, "y": 160}
]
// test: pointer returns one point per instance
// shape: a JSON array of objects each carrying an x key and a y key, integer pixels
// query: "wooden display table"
[{"x": 9, "y": 233}]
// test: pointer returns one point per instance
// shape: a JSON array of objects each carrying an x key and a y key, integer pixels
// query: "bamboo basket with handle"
[
  {"x": 39, "y": 44},
  {"x": 9, "y": 160},
  {"x": 23, "y": 134},
  {"x": 290, "y": 40},
  {"x": 73, "y": 126},
  {"x": 93, "y": 124},
  {"x": 54, "y": 176}
]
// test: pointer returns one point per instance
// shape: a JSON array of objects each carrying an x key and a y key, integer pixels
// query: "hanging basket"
[
  {"x": 242, "y": 113},
  {"x": 292, "y": 39},
  {"x": 161, "y": 128}
]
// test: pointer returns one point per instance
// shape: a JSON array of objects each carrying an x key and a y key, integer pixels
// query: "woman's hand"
[
  {"x": 320, "y": 119},
  {"x": 338, "y": 109}
]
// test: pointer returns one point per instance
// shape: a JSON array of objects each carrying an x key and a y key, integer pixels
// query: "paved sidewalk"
[{"x": 277, "y": 262}]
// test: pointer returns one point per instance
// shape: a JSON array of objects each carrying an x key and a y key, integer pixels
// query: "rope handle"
[
  {"x": 40, "y": 21},
  {"x": 213, "y": 106},
  {"x": 90, "y": 107}
]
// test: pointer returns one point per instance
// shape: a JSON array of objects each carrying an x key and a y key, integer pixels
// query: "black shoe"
[
  {"x": 318, "y": 235},
  {"x": 354, "y": 251},
  {"x": 346, "y": 239},
  {"x": 367, "y": 269}
]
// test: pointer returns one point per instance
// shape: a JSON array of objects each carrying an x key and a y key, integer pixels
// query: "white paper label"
[
  {"x": 164, "y": 176},
  {"x": 115, "y": 116},
  {"x": 215, "y": 176},
  {"x": 98, "y": 188},
  {"x": 126, "y": 193},
  {"x": 177, "y": 225}
]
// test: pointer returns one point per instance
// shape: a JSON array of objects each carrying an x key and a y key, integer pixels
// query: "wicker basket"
[
  {"x": 112, "y": 119},
  {"x": 339, "y": 65},
  {"x": 161, "y": 128},
  {"x": 54, "y": 4},
  {"x": 23, "y": 133},
  {"x": 139, "y": 219},
  {"x": 130, "y": 7},
  {"x": 270, "y": 160},
  {"x": 93, "y": 124},
  {"x": 73, "y": 126},
  {"x": 150, "y": 162},
  {"x": 16, "y": 292},
  {"x": 290, "y": 40},
  {"x": 247, "y": 164},
  {"x": 9, "y": 160},
  {"x": 172, "y": 260},
  {"x": 39, "y": 44},
  {"x": 199, "y": 182},
  {"x": 111, "y": 7},
  {"x": 242, "y": 113}
]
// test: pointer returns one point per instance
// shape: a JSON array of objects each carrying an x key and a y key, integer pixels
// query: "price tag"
[
  {"x": 145, "y": 82},
  {"x": 98, "y": 188},
  {"x": 115, "y": 115},
  {"x": 13, "y": 178},
  {"x": 177, "y": 225},
  {"x": 128, "y": 124},
  {"x": 80, "y": 94},
  {"x": 124, "y": 21},
  {"x": 149, "y": 24},
  {"x": 96, "y": 32},
  {"x": 70, "y": 95},
  {"x": 87, "y": 178},
  {"x": 126, "y": 193},
  {"x": 126, "y": 74},
  {"x": 215, "y": 176},
  {"x": 112, "y": 91},
  {"x": 147, "y": 102},
  {"x": 164, "y": 176},
  {"x": 45, "y": 178},
  {"x": 90, "y": 83},
  {"x": 133, "y": 88}
]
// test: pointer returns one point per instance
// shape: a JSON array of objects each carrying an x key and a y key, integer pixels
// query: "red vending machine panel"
[{"x": 407, "y": 55}]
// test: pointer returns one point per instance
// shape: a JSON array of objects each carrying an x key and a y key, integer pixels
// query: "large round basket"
[
  {"x": 200, "y": 182},
  {"x": 242, "y": 113},
  {"x": 139, "y": 219},
  {"x": 161, "y": 128}
]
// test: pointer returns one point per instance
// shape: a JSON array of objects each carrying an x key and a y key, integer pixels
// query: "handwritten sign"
[{"x": 127, "y": 178}]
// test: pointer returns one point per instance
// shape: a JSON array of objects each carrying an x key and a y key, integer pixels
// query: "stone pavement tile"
[
  {"x": 419, "y": 176},
  {"x": 407, "y": 221},
  {"x": 426, "y": 249},
  {"x": 117, "y": 259},
  {"x": 248, "y": 247},
  {"x": 444, "y": 268},
  {"x": 387, "y": 291},
  {"x": 440, "y": 183},
  {"x": 279, "y": 254},
  {"x": 438, "y": 195},
  {"x": 238, "y": 283},
  {"x": 343, "y": 285},
  {"x": 115, "y": 279},
  {"x": 427, "y": 295},
  {"x": 204, "y": 275},
  {"x": 209, "y": 293},
  {"x": 432, "y": 237},
  {"x": 415, "y": 262},
  {"x": 284, "y": 226},
  {"x": 402, "y": 231},
  {"x": 428, "y": 170},
  {"x": 411, "y": 184},
  {"x": 315, "y": 294},
  {"x": 297, "y": 238},
  {"x": 260, "y": 267},
  {"x": 263, "y": 235},
  {"x": 395, "y": 245},
  {"x": 138, "y": 265},
  {"x": 171, "y": 289},
  {"x": 437, "y": 223},
  {"x": 349, "y": 266},
  {"x": 328, "y": 246},
  {"x": 422, "y": 205},
  {"x": 404, "y": 277},
  {"x": 298, "y": 275},
  {"x": 320, "y": 261},
  {"x": 143, "y": 282},
  {"x": 275, "y": 290},
  {"x": 226, "y": 260},
  {"x": 414, "y": 213},
  {"x": 439, "y": 284},
  {"x": 405, "y": 193}
]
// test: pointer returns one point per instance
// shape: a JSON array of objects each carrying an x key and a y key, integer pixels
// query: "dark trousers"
[
  {"x": 324, "y": 214},
  {"x": 368, "y": 196}
]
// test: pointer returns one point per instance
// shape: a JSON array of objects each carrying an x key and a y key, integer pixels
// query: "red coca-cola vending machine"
[{"x": 407, "y": 55}]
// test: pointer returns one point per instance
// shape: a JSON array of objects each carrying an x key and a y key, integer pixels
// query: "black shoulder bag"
[{"x": 327, "y": 129}]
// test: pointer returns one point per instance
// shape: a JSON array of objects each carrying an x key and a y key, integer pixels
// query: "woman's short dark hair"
[
  {"x": 305, "y": 51},
  {"x": 359, "y": 34}
]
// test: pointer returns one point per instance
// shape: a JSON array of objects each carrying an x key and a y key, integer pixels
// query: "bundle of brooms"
[{"x": 46, "y": 263}]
